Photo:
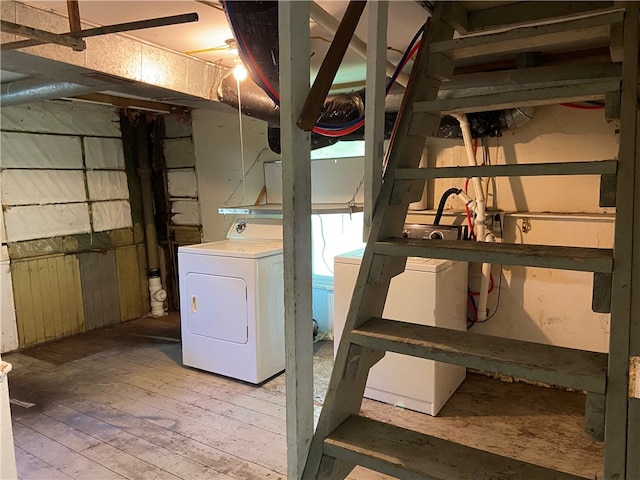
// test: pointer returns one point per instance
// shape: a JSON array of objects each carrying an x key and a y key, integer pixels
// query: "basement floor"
[{"x": 117, "y": 403}]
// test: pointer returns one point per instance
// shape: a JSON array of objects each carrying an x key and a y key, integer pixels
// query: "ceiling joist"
[{"x": 74, "y": 38}]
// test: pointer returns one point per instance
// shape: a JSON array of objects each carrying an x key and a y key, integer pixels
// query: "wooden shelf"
[{"x": 275, "y": 209}]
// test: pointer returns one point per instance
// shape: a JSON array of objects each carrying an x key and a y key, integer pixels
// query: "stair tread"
[
  {"x": 407, "y": 454},
  {"x": 544, "y": 256},
  {"x": 600, "y": 167},
  {"x": 568, "y": 367},
  {"x": 590, "y": 90},
  {"x": 577, "y": 33}
]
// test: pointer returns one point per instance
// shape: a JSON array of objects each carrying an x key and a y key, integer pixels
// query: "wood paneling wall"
[{"x": 48, "y": 298}]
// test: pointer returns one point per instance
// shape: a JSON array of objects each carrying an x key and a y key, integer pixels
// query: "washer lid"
[
  {"x": 413, "y": 263},
  {"x": 235, "y": 248}
]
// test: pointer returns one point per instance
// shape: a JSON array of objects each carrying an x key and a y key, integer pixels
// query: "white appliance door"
[{"x": 218, "y": 307}]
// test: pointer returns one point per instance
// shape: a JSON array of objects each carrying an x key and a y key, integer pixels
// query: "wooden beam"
[
  {"x": 74, "y": 16},
  {"x": 43, "y": 36},
  {"x": 322, "y": 84},
  {"x": 296, "y": 210},
  {"x": 117, "y": 28},
  {"x": 625, "y": 302},
  {"x": 134, "y": 103},
  {"x": 374, "y": 110}
]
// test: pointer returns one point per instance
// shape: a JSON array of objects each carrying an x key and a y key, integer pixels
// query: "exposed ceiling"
[{"x": 208, "y": 38}]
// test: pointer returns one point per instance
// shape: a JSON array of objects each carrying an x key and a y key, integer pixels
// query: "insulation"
[
  {"x": 62, "y": 117},
  {"x": 44, "y": 221},
  {"x": 179, "y": 152},
  {"x": 107, "y": 185},
  {"x": 182, "y": 183},
  {"x": 26, "y": 150},
  {"x": 185, "y": 212},
  {"x": 176, "y": 126},
  {"x": 103, "y": 153},
  {"x": 29, "y": 187},
  {"x": 111, "y": 215}
]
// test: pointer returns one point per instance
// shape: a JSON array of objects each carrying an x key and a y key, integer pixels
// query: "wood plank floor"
[{"x": 117, "y": 403}]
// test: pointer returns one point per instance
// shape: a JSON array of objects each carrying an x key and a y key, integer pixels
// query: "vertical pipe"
[
  {"x": 156, "y": 292},
  {"x": 481, "y": 233}
]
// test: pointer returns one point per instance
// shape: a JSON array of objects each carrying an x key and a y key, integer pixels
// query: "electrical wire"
[
  {"x": 328, "y": 130},
  {"x": 583, "y": 107},
  {"x": 324, "y": 244}
]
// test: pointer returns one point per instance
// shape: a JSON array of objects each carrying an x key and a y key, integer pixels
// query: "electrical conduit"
[
  {"x": 480, "y": 216},
  {"x": 157, "y": 294}
]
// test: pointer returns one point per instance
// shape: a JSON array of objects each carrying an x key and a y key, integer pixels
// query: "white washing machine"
[
  {"x": 429, "y": 292},
  {"x": 232, "y": 302}
]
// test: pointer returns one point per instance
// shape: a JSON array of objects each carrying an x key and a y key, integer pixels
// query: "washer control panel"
[{"x": 434, "y": 232}]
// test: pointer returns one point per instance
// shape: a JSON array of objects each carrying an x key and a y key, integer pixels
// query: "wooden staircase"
[{"x": 343, "y": 438}]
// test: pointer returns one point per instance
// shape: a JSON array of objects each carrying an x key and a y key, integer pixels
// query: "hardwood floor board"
[
  {"x": 60, "y": 457},
  {"x": 151, "y": 453},
  {"x": 133, "y": 395},
  {"x": 164, "y": 439},
  {"x": 180, "y": 408},
  {"x": 270, "y": 391},
  {"x": 126, "y": 464},
  {"x": 57, "y": 431},
  {"x": 32, "y": 468},
  {"x": 227, "y": 390},
  {"x": 268, "y": 454}
]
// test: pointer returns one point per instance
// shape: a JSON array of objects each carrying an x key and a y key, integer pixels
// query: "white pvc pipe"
[
  {"x": 328, "y": 22},
  {"x": 157, "y": 295},
  {"x": 480, "y": 215}
]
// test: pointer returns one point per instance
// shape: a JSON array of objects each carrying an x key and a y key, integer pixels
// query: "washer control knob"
[{"x": 241, "y": 227}]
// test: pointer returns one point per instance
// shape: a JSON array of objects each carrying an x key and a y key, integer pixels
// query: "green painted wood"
[
  {"x": 519, "y": 13},
  {"x": 625, "y": 302},
  {"x": 602, "y": 167},
  {"x": 409, "y": 455},
  {"x": 590, "y": 31},
  {"x": 543, "y": 256},
  {"x": 351, "y": 367},
  {"x": 550, "y": 364},
  {"x": 518, "y": 99}
]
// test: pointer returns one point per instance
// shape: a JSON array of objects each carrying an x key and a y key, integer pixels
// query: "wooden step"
[
  {"x": 593, "y": 90},
  {"x": 532, "y": 78},
  {"x": 565, "y": 367},
  {"x": 409, "y": 455},
  {"x": 602, "y": 167},
  {"x": 485, "y": 17},
  {"x": 544, "y": 256},
  {"x": 584, "y": 33}
]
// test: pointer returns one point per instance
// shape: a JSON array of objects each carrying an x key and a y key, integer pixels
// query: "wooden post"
[
  {"x": 374, "y": 109},
  {"x": 293, "y": 18},
  {"x": 75, "y": 24},
  {"x": 626, "y": 273}
]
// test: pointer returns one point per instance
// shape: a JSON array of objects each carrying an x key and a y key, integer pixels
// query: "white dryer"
[{"x": 232, "y": 302}]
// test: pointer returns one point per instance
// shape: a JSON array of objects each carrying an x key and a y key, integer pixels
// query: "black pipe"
[{"x": 443, "y": 201}]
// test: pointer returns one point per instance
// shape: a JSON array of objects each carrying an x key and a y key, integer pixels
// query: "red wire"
[
  {"x": 353, "y": 128},
  {"x": 583, "y": 107}
]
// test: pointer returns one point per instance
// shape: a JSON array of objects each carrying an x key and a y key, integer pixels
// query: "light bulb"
[{"x": 240, "y": 72}]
